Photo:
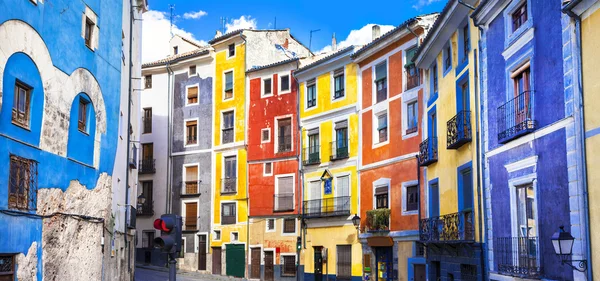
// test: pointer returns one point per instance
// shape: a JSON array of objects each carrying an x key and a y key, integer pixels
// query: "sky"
[{"x": 350, "y": 20}]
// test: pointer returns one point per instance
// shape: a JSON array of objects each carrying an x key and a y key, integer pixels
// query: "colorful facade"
[
  {"x": 328, "y": 105},
  {"x": 274, "y": 184},
  {"x": 450, "y": 225},
  {"x": 390, "y": 108}
]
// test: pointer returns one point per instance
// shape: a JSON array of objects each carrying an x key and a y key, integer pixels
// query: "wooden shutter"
[{"x": 380, "y": 71}]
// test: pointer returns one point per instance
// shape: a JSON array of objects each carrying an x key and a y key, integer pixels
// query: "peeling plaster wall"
[{"x": 262, "y": 47}]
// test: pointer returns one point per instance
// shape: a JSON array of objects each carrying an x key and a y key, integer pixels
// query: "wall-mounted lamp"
[{"x": 563, "y": 246}]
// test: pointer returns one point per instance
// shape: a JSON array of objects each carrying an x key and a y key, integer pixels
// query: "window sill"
[
  {"x": 432, "y": 99},
  {"x": 228, "y": 192},
  {"x": 447, "y": 71},
  {"x": 21, "y": 126},
  {"x": 461, "y": 67},
  {"x": 83, "y": 132}
]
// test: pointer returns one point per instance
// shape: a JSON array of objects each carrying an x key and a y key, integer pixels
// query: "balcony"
[
  {"x": 146, "y": 209},
  {"x": 311, "y": 155},
  {"x": 147, "y": 166},
  {"x": 412, "y": 81},
  {"x": 147, "y": 125},
  {"x": 515, "y": 118},
  {"x": 459, "y": 130},
  {"x": 378, "y": 220},
  {"x": 518, "y": 256},
  {"x": 190, "y": 224},
  {"x": 284, "y": 144},
  {"x": 428, "y": 152},
  {"x": 283, "y": 202},
  {"x": 339, "y": 150},
  {"x": 190, "y": 188},
  {"x": 131, "y": 218},
  {"x": 227, "y": 135},
  {"x": 228, "y": 185},
  {"x": 191, "y": 140},
  {"x": 327, "y": 207},
  {"x": 450, "y": 228}
]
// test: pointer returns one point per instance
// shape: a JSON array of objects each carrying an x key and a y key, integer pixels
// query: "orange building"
[
  {"x": 273, "y": 182},
  {"x": 392, "y": 104}
]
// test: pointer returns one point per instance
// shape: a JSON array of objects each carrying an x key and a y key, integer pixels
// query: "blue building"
[
  {"x": 530, "y": 156},
  {"x": 61, "y": 65}
]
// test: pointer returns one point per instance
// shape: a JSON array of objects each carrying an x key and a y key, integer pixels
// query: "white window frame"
[
  {"x": 234, "y": 233},
  {"x": 183, "y": 248},
  {"x": 221, "y": 212},
  {"x": 214, "y": 232},
  {"x": 184, "y": 173},
  {"x": 195, "y": 74},
  {"x": 382, "y": 182},
  {"x": 274, "y": 225},
  {"x": 234, "y": 51},
  {"x": 306, "y": 108},
  {"x": 293, "y": 175},
  {"x": 183, "y": 209},
  {"x": 265, "y": 174},
  {"x": 276, "y": 143},
  {"x": 405, "y": 73},
  {"x": 279, "y": 77},
  {"x": 222, "y": 112},
  {"x": 185, "y": 133},
  {"x": 376, "y": 114},
  {"x": 261, "y": 135},
  {"x": 237, "y": 169},
  {"x": 405, "y": 197},
  {"x": 262, "y": 87},
  {"x": 90, "y": 15},
  {"x": 295, "y": 233},
  {"x": 223, "y": 75},
  {"x": 409, "y": 97},
  {"x": 332, "y": 75},
  {"x": 387, "y": 77},
  {"x": 335, "y": 182},
  {"x": 187, "y": 88}
]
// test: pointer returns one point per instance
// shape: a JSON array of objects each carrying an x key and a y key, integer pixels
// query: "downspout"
[
  {"x": 127, "y": 210},
  {"x": 480, "y": 191},
  {"x": 579, "y": 120},
  {"x": 416, "y": 36},
  {"x": 246, "y": 148},
  {"x": 300, "y": 167},
  {"x": 466, "y": 5},
  {"x": 168, "y": 205}
]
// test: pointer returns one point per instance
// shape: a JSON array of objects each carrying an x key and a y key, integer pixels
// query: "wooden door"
[
  {"x": 235, "y": 259},
  {"x": 255, "y": 263},
  {"x": 202, "y": 252},
  {"x": 318, "y": 265},
  {"x": 419, "y": 272},
  {"x": 216, "y": 260},
  {"x": 269, "y": 266}
]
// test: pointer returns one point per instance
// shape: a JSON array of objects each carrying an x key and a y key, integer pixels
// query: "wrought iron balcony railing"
[
  {"x": 228, "y": 185},
  {"x": 518, "y": 256},
  {"x": 456, "y": 227},
  {"x": 146, "y": 209},
  {"x": 378, "y": 220},
  {"x": 190, "y": 188},
  {"x": 516, "y": 118},
  {"x": 147, "y": 166},
  {"x": 190, "y": 223},
  {"x": 283, "y": 202},
  {"x": 339, "y": 149},
  {"x": 459, "y": 130},
  {"x": 284, "y": 144},
  {"x": 412, "y": 81},
  {"x": 428, "y": 151},
  {"x": 147, "y": 121},
  {"x": 311, "y": 155},
  {"x": 327, "y": 207}
]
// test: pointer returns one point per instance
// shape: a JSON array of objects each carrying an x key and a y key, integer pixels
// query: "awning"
[{"x": 380, "y": 241}]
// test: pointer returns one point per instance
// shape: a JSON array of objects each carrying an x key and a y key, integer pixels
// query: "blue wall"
[{"x": 81, "y": 144}]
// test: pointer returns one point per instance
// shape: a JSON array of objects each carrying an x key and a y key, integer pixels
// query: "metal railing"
[
  {"x": 147, "y": 166},
  {"x": 190, "y": 223},
  {"x": 283, "y": 202},
  {"x": 459, "y": 130},
  {"x": 382, "y": 94},
  {"x": 227, "y": 135},
  {"x": 518, "y": 256},
  {"x": 412, "y": 81},
  {"x": 147, "y": 121},
  {"x": 146, "y": 209},
  {"x": 190, "y": 187},
  {"x": 339, "y": 149},
  {"x": 311, "y": 155},
  {"x": 228, "y": 185},
  {"x": 515, "y": 118},
  {"x": 455, "y": 227},
  {"x": 191, "y": 139},
  {"x": 327, "y": 207},
  {"x": 428, "y": 151},
  {"x": 284, "y": 144}
]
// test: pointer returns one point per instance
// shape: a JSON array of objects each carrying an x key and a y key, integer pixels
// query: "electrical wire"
[{"x": 75, "y": 216}]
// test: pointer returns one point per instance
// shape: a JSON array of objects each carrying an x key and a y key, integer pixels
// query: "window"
[
  {"x": 228, "y": 213},
  {"x": 190, "y": 221},
  {"x": 267, "y": 89},
  {"x": 191, "y": 132},
  {"x": 22, "y": 183},
  {"x": 466, "y": 42},
  {"x": 311, "y": 93},
  {"x": 147, "y": 191},
  {"x": 381, "y": 197},
  {"x": 217, "y": 235},
  {"x": 265, "y": 135},
  {"x": 447, "y": 57},
  {"x": 148, "y": 239},
  {"x": 235, "y": 236},
  {"x": 313, "y": 147},
  {"x": 147, "y": 151},
  {"x": 289, "y": 266},
  {"x": 147, "y": 120},
  {"x": 381, "y": 81},
  {"x": 420, "y": 249},
  {"x": 7, "y": 267},
  {"x": 175, "y": 50},
  {"x": 526, "y": 211},
  {"x": 434, "y": 200},
  {"x": 82, "y": 118},
  {"x": 228, "y": 85},
  {"x": 227, "y": 127},
  {"x": 284, "y": 196},
  {"x": 521, "y": 78},
  {"x": 289, "y": 226},
  {"x": 434, "y": 78},
  {"x": 268, "y": 169},
  {"x": 148, "y": 80},
  {"x": 270, "y": 224},
  {"x": 284, "y": 134},
  {"x": 20, "y": 111},
  {"x": 192, "y": 95},
  {"x": 230, "y": 170},
  {"x": 519, "y": 16},
  {"x": 340, "y": 145},
  {"x": 231, "y": 50},
  {"x": 89, "y": 30},
  {"x": 413, "y": 78},
  {"x": 338, "y": 83},
  {"x": 192, "y": 70},
  {"x": 382, "y": 127},
  {"x": 412, "y": 117},
  {"x": 191, "y": 180},
  {"x": 412, "y": 198},
  {"x": 284, "y": 83},
  {"x": 344, "y": 262}
]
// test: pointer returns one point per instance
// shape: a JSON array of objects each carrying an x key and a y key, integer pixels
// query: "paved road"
[{"x": 142, "y": 274}]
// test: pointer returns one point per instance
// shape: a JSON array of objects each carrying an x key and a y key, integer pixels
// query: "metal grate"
[
  {"x": 516, "y": 117},
  {"x": 289, "y": 266},
  {"x": 7, "y": 267},
  {"x": 344, "y": 262},
  {"x": 468, "y": 272},
  {"x": 22, "y": 193},
  {"x": 289, "y": 225}
]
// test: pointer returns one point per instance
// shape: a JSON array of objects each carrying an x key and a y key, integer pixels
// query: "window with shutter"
[
  {"x": 289, "y": 226},
  {"x": 227, "y": 130},
  {"x": 228, "y": 85},
  {"x": 381, "y": 81},
  {"x": 228, "y": 215},
  {"x": 344, "y": 262},
  {"x": 289, "y": 266},
  {"x": 192, "y": 95},
  {"x": 284, "y": 135},
  {"x": 285, "y": 194},
  {"x": 191, "y": 216},
  {"x": 191, "y": 132}
]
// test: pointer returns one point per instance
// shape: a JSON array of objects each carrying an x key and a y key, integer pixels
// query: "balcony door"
[
  {"x": 314, "y": 203},
  {"x": 521, "y": 83},
  {"x": 285, "y": 194},
  {"x": 342, "y": 192},
  {"x": 191, "y": 216},
  {"x": 191, "y": 180},
  {"x": 147, "y": 151},
  {"x": 284, "y": 135}
]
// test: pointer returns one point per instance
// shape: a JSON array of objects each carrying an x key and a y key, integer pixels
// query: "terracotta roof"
[
  {"x": 257, "y": 68},
  {"x": 179, "y": 57},
  {"x": 325, "y": 58},
  {"x": 225, "y": 36},
  {"x": 190, "y": 41},
  {"x": 434, "y": 27}
]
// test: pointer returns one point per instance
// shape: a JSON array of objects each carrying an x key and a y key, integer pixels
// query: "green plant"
[{"x": 378, "y": 219}]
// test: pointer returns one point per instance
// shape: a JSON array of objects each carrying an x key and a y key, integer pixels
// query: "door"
[
  {"x": 314, "y": 204},
  {"x": 216, "y": 260},
  {"x": 269, "y": 271},
  {"x": 385, "y": 264},
  {"x": 202, "y": 252},
  {"x": 235, "y": 259},
  {"x": 521, "y": 82},
  {"x": 318, "y": 258},
  {"x": 147, "y": 151},
  {"x": 419, "y": 272},
  {"x": 255, "y": 263},
  {"x": 342, "y": 192},
  {"x": 191, "y": 216}
]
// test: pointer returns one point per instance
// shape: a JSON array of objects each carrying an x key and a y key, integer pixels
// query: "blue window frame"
[
  {"x": 434, "y": 198},
  {"x": 465, "y": 187},
  {"x": 447, "y": 58},
  {"x": 434, "y": 83},
  {"x": 432, "y": 122},
  {"x": 462, "y": 93}
]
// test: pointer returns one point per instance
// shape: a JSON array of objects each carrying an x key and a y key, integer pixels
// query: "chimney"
[
  {"x": 376, "y": 31},
  {"x": 286, "y": 44},
  {"x": 333, "y": 43},
  {"x": 218, "y": 33}
]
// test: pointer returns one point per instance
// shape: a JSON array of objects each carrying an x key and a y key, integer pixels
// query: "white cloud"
[
  {"x": 422, "y": 3},
  {"x": 194, "y": 15},
  {"x": 156, "y": 35},
  {"x": 358, "y": 37},
  {"x": 244, "y": 22}
]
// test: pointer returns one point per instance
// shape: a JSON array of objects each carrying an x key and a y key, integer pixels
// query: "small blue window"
[
  {"x": 447, "y": 58},
  {"x": 82, "y": 130}
]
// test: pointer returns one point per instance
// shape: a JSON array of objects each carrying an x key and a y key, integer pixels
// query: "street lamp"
[
  {"x": 356, "y": 221},
  {"x": 141, "y": 200},
  {"x": 563, "y": 247}
]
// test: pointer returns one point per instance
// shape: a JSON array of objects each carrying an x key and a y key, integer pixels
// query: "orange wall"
[{"x": 261, "y": 188}]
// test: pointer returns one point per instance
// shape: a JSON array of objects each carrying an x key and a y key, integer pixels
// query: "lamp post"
[
  {"x": 356, "y": 222},
  {"x": 563, "y": 247},
  {"x": 141, "y": 200}
]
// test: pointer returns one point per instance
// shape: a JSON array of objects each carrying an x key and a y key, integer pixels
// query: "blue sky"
[{"x": 341, "y": 17}]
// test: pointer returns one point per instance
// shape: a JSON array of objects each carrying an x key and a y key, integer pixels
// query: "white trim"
[
  {"x": 222, "y": 112},
  {"x": 405, "y": 198},
  {"x": 221, "y": 213},
  {"x": 293, "y": 175},
  {"x": 187, "y": 88},
  {"x": 375, "y": 130},
  {"x": 279, "y": 75},
  {"x": 381, "y": 182},
  {"x": 198, "y": 244},
  {"x": 261, "y": 135},
  {"x": 326, "y": 115},
  {"x": 183, "y": 249},
  {"x": 387, "y": 81},
  {"x": 590, "y": 10},
  {"x": 334, "y": 134},
  {"x": 267, "y": 225},
  {"x": 227, "y": 57},
  {"x": 309, "y": 193},
  {"x": 306, "y": 108},
  {"x": 281, "y": 263},
  {"x": 335, "y": 182},
  {"x": 223, "y": 156},
  {"x": 214, "y": 231},
  {"x": 522, "y": 164},
  {"x": 184, "y": 174},
  {"x": 191, "y": 152},
  {"x": 409, "y": 96},
  {"x": 530, "y": 179},
  {"x": 388, "y": 161},
  {"x": 262, "y": 86},
  {"x": 185, "y": 133},
  {"x": 223, "y": 76},
  {"x": 276, "y": 121},
  {"x": 518, "y": 44},
  {"x": 188, "y": 71},
  {"x": 265, "y": 174},
  {"x": 237, "y": 233},
  {"x": 295, "y": 233}
]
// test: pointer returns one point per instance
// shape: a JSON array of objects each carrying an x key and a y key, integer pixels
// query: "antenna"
[
  {"x": 171, "y": 7},
  {"x": 310, "y": 41},
  {"x": 223, "y": 23}
]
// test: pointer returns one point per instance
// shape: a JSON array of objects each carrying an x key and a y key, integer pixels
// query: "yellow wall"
[
  {"x": 590, "y": 37},
  {"x": 330, "y": 237},
  {"x": 325, "y": 100},
  {"x": 272, "y": 240},
  {"x": 335, "y": 172},
  {"x": 327, "y": 135}
]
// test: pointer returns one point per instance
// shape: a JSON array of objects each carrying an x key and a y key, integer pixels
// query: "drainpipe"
[
  {"x": 246, "y": 148},
  {"x": 127, "y": 210},
  {"x": 416, "y": 36},
  {"x": 168, "y": 199},
  {"x": 466, "y": 5},
  {"x": 579, "y": 118},
  {"x": 300, "y": 167},
  {"x": 480, "y": 191}
]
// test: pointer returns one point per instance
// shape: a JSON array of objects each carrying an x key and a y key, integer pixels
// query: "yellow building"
[
  {"x": 449, "y": 150},
  {"x": 329, "y": 139}
]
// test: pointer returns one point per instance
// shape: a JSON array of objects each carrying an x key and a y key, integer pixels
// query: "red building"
[{"x": 273, "y": 183}]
